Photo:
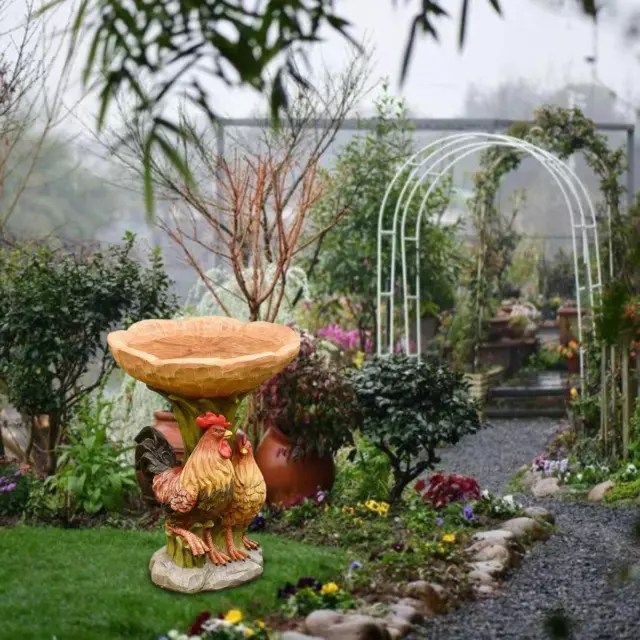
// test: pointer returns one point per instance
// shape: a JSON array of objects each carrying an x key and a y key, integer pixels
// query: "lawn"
[{"x": 94, "y": 583}]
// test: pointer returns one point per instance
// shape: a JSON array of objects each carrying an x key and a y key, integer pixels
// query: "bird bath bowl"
[{"x": 200, "y": 365}]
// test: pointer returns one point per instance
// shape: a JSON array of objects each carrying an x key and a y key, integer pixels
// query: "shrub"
[
  {"x": 443, "y": 489},
  {"x": 92, "y": 475},
  {"x": 411, "y": 408},
  {"x": 311, "y": 401},
  {"x": 56, "y": 310}
]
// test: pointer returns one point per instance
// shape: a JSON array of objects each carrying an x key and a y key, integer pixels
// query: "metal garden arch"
[{"x": 432, "y": 163}]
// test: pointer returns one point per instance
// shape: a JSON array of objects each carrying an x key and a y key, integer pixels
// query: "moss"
[{"x": 624, "y": 491}]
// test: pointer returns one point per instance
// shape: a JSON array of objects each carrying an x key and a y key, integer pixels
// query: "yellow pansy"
[
  {"x": 372, "y": 505},
  {"x": 449, "y": 537},
  {"x": 329, "y": 588},
  {"x": 260, "y": 624},
  {"x": 574, "y": 392},
  {"x": 358, "y": 359},
  {"x": 234, "y": 616},
  {"x": 383, "y": 508},
  {"x": 248, "y": 633}
]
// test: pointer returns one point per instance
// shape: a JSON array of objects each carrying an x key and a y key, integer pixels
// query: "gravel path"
[{"x": 580, "y": 570}]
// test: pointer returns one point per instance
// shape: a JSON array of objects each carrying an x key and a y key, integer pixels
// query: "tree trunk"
[{"x": 396, "y": 491}]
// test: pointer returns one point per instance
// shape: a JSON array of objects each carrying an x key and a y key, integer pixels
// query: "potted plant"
[
  {"x": 518, "y": 325},
  {"x": 309, "y": 411}
]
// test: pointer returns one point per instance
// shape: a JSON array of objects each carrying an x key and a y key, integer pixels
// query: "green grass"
[{"x": 94, "y": 583}]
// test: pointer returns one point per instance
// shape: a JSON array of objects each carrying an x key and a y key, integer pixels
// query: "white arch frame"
[{"x": 425, "y": 165}]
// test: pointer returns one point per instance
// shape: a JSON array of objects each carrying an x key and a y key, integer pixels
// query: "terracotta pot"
[
  {"x": 167, "y": 425},
  {"x": 498, "y": 328},
  {"x": 290, "y": 480}
]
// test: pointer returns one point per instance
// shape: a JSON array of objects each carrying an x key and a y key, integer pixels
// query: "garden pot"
[
  {"x": 290, "y": 480},
  {"x": 498, "y": 328},
  {"x": 167, "y": 425}
]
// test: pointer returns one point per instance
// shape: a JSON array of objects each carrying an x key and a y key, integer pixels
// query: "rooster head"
[
  {"x": 217, "y": 429},
  {"x": 243, "y": 446}
]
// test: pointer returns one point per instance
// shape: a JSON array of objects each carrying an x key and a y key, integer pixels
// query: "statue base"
[{"x": 168, "y": 575}]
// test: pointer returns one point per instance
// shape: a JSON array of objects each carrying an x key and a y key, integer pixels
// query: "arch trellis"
[{"x": 431, "y": 165}]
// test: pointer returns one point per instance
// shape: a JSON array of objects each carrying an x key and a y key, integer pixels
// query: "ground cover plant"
[{"x": 102, "y": 588}]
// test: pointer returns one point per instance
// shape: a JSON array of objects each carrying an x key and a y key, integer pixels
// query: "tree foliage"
[
  {"x": 345, "y": 260},
  {"x": 56, "y": 309},
  {"x": 410, "y": 409}
]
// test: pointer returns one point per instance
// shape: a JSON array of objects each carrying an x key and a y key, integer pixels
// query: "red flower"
[
  {"x": 196, "y": 628},
  {"x": 210, "y": 419},
  {"x": 443, "y": 489},
  {"x": 421, "y": 485}
]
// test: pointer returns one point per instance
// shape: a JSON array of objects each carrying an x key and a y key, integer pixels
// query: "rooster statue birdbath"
[{"x": 205, "y": 367}]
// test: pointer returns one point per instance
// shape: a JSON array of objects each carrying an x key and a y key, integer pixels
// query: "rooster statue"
[
  {"x": 195, "y": 494},
  {"x": 249, "y": 494}
]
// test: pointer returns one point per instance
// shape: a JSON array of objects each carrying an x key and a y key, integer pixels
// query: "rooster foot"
[
  {"x": 217, "y": 557},
  {"x": 197, "y": 546},
  {"x": 252, "y": 545},
  {"x": 232, "y": 551}
]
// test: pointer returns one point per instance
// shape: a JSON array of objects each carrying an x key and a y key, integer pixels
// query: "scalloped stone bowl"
[{"x": 209, "y": 357}]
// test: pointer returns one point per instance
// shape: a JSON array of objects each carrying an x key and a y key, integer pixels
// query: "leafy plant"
[
  {"x": 56, "y": 310},
  {"x": 92, "y": 475},
  {"x": 343, "y": 263},
  {"x": 231, "y": 625},
  {"x": 311, "y": 402},
  {"x": 443, "y": 489},
  {"x": 411, "y": 408},
  {"x": 15, "y": 484},
  {"x": 362, "y": 474},
  {"x": 623, "y": 491}
]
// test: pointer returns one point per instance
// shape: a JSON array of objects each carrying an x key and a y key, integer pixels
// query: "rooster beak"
[{"x": 228, "y": 434}]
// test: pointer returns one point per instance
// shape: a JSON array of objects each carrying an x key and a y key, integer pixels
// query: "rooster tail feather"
[{"x": 153, "y": 455}]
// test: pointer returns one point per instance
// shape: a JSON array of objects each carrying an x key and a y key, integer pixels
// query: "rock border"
[{"x": 490, "y": 555}]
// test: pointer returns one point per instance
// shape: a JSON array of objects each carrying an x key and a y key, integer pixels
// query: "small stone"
[
  {"x": 406, "y": 613},
  {"x": 600, "y": 490},
  {"x": 481, "y": 577},
  {"x": 484, "y": 590},
  {"x": 493, "y": 536},
  {"x": 354, "y": 629},
  {"x": 546, "y": 487},
  {"x": 317, "y": 623},
  {"x": 490, "y": 567},
  {"x": 529, "y": 478},
  {"x": 401, "y": 625},
  {"x": 540, "y": 513},
  {"x": 527, "y": 528},
  {"x": 433, "y": 595},
  {"x": 497, "y": 552},
  {"x": 168, "y": 575},
  {"x": 294, "y": 635}
]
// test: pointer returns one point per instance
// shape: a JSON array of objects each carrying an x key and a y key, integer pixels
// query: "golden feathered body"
[{"x": 249, "y": 495}]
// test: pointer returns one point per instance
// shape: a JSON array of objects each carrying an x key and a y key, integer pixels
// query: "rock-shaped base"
[{"x": 168, "y": 575}]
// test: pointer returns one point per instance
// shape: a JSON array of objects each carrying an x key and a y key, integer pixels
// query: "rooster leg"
[
  {"x": 197, "y": 546},
  {"x": 217, "y": 557},
  {"x": 252, "y": 545},
  {"x": 232, "y": 550}
]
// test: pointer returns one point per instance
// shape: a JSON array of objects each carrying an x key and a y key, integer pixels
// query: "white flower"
[
  {"x": 195, "y": 637},
  {"x": 509, "y": 500},
  {"x": 173, "y": 634},
  {"x": 579, "y": 476},
  {"x": 485, "y": 494},
  {"x": 631, "y": 468}
]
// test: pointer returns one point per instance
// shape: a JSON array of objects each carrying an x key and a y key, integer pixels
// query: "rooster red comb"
[{"x": 210, "y": 419}]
